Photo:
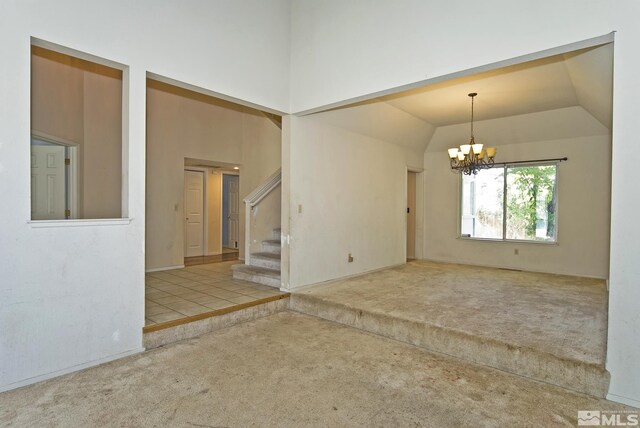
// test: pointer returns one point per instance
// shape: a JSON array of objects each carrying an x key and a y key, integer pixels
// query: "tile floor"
[
  {"x": 227, "y": 255},
  {"x": 180, "y": 293}
]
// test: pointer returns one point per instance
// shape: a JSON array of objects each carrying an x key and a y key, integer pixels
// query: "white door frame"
[
  {"x": 205, "y": 209},
  {"x": 74, "y": 156}
]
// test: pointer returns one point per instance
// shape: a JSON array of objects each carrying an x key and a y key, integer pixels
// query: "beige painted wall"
[
  {"x": 183, "y": 124},
  {"x": 352, "y": 189},
  {"x": 214, "y": 211},
  {"x": 81, "y": 102},
  {"x": 584, "y": 184},
  {"x": 57, "y": 96},
  {"x": 102, "y": 158}
]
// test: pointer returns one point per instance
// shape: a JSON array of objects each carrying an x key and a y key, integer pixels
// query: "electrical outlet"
[
  {"x": 299, "y": 208},
  {"x": 516, "y": 251},
  {"x": 350, "y": 258}
]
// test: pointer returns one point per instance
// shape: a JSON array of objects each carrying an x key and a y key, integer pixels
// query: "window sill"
[
  {"x": 80, "y": 222},
  {"x": 509, "y": 241}
]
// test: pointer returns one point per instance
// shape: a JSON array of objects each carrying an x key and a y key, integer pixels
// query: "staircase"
[
  {"x": 264, "y": 266},
  {"x": 262, "y": 213}
]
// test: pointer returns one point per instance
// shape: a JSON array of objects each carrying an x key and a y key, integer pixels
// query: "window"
[{"x": 513, "y": 202}]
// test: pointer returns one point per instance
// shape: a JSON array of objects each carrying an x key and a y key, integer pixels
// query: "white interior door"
[
  {"x": 234, "y": 213},
  {"x": 48, "y": 198},
  {"x": 193, "y": 209}
]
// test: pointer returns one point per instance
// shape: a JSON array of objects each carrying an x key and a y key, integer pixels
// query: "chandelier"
[{"x": 470, "y": 158}]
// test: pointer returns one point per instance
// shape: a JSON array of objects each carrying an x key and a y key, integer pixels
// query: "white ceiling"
[
  {"x": 556, "y": 97},
  {"x": 581, "y": 78},
  {"x": 549, "y": 125}
]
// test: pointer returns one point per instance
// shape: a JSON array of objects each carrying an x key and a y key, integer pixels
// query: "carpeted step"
[
  {"x": 257, "y": 274},
  {"x": 271, "y": 246},
  {"x": 581, "y": 376},
  {"x": 266, "y": 260}
]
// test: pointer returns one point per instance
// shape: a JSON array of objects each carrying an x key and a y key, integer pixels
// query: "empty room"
[{"x": 319, "y": 213}]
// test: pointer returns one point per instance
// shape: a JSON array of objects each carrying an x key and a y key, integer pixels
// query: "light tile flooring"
[{"x": 181, "y": 293}]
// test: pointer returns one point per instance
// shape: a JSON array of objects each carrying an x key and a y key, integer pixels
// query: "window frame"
[{"x": 504, "y": 239}]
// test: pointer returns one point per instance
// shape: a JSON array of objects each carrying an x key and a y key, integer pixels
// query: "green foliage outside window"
[
  {"x": 528, "y": 212},
  {"x": 531, "y": 202}
]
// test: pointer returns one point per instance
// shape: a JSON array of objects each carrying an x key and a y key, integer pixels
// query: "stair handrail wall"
[{"x": 251, "y": 201}]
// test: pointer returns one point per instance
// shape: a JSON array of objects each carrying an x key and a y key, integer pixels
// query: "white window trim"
[
  {"x": 504, "y": 223},
  {"x": 80, "y": 222}
]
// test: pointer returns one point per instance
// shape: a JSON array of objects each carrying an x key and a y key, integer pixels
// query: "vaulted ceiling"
[
  {"x": 578, "y": 78},
  {"x": 567, "y": 83}
]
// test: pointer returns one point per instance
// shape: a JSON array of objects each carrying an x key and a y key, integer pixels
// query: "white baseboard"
[
  {"x": 68, "y": 370},
  {"x": 160, "y": 269},
  {"x": 624, "y": 400},
  {"x": 500, "y": 266},
  {"x": 342, "y": 278}
]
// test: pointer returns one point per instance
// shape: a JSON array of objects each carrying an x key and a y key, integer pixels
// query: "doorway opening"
[
  {"x": 54, "y": 179},
  {"x": 211, "y": 212},
  {"x": 230, "y": 212},
  {"x": 193, "y": 141},
  {"x": 411, "y": 215}
]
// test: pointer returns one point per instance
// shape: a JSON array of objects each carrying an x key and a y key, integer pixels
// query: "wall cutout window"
[
  {"x": 76, "y": 138},
  {"x": 511, "y": 202}
]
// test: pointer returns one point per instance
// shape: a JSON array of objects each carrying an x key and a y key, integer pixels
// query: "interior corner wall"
[
  {"x": 347, "y": 196},
  {"x": 583, "y": 212},
  {"x": 240, "y": 49}
]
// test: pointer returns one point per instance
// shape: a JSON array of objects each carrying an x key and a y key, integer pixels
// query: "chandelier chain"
[{"x": 472, "y": 97}]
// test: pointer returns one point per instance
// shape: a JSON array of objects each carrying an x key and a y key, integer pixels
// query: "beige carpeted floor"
[
  {"x": 292, "y": 370},
  {"x": 562, "y": 315}
]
